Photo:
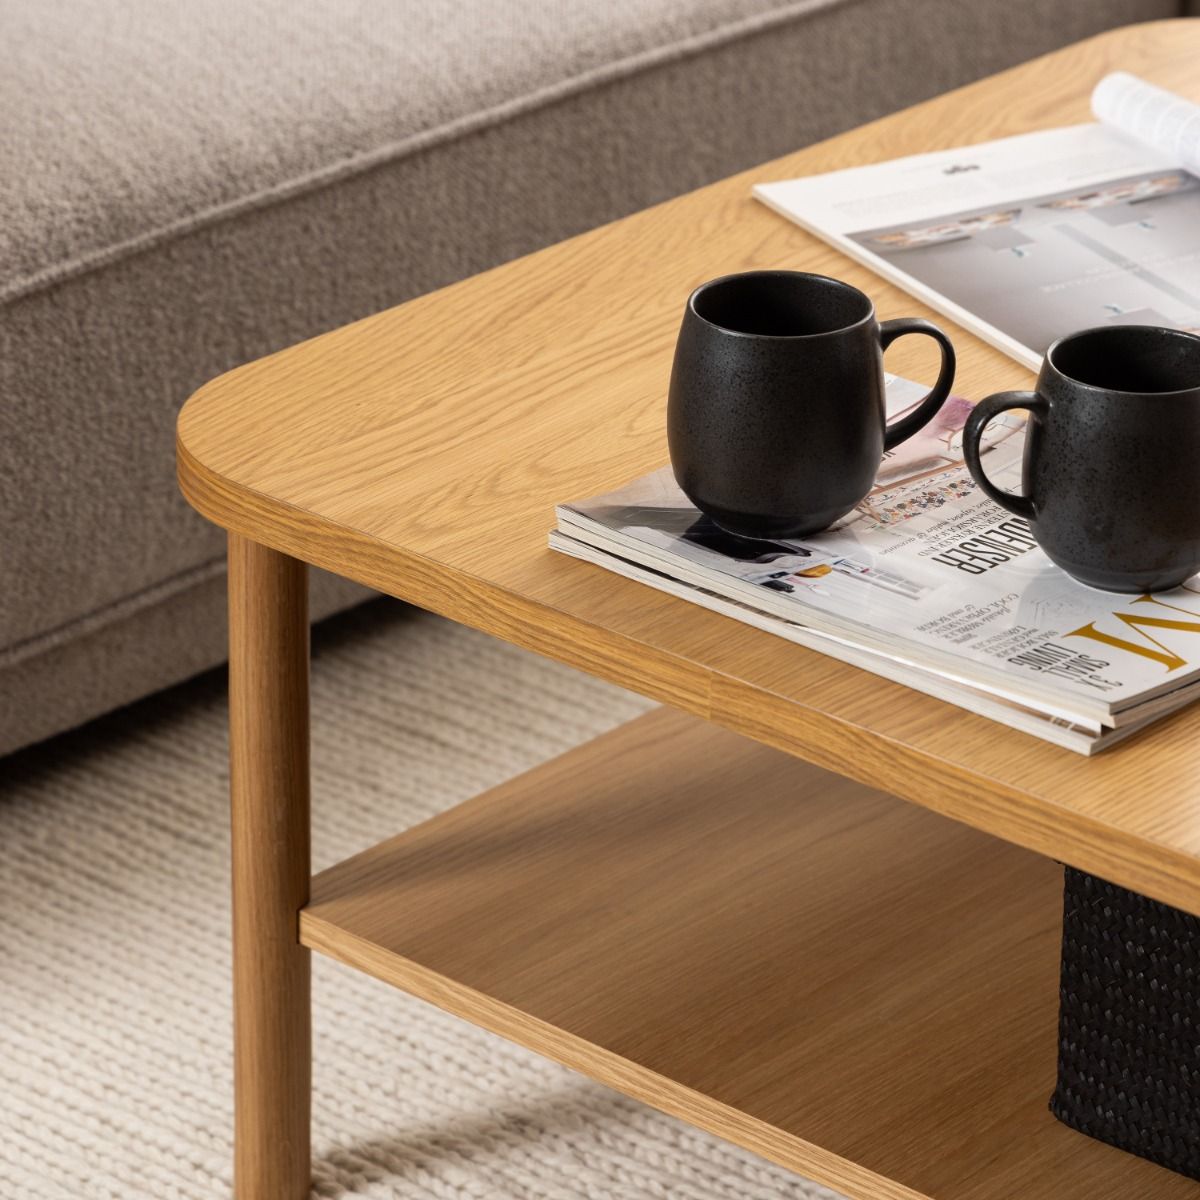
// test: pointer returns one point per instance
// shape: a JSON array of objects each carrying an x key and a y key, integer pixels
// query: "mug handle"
[
  {"x": 889, "y": 331},
  {"x": 977, "y": 422}
]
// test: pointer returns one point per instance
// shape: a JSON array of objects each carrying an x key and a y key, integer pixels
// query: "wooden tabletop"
[{"x": 422, "y": 451}]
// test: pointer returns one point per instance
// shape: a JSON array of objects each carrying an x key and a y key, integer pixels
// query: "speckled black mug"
[
  {"x": 1111, "y": 474},
  {"x": 776, "y": 419}
]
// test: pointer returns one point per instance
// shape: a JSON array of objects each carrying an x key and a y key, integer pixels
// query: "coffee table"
[{"x": 713, "y": 908}]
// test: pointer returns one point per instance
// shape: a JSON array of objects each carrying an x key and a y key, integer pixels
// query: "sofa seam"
[
  {"x": 106, "y": 615},
  {"x": 416, "y": 143}
]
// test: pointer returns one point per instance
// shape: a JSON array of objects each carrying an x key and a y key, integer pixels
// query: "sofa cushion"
[
  {"x": 136, "y": 121},
  {"x": 186, "y": 187}
]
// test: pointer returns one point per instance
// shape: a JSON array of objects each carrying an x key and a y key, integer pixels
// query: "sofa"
[{"x": 189, "y": 187}]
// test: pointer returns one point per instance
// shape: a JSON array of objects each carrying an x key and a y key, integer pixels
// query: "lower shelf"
[{"x": 845, "y": 983}]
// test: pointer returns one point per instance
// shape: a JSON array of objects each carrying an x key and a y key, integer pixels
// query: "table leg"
[{"x": 269, "y": 789}]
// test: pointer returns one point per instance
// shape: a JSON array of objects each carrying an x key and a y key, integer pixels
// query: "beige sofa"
[{"x": 189, "y": 187}]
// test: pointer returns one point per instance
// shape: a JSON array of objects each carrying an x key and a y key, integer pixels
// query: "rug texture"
[{"x": 115, "y": 1056}]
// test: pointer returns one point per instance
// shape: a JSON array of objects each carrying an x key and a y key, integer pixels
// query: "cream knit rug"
[{"x": 114, "y": 985}]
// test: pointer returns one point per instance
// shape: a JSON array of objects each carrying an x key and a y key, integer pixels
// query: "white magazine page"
[
  {"x": 1021, "y": 240},
  {"x": 928, "y": 566},
  {"x": 1150, "y": 115}
]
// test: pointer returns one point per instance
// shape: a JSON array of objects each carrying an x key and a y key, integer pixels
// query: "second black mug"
[
  {"x": 776, "y": 418},
  {"x": 1110, "y": 478}
]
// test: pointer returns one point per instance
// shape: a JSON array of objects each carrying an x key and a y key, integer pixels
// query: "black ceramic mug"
[
  {"x": 776, "y": 419},
  {"x": 1111, "y": 474}
]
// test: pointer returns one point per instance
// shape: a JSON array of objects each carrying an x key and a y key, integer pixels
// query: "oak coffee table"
[{"x": 712, "y": 908}]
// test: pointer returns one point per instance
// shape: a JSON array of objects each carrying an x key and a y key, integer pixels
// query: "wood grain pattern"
[
  {"x": 858, "y": 989},
  {"x": 269, "y": 790},
  {"x": 421, "y": 451}
]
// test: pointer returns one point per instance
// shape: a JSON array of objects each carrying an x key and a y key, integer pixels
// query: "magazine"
[
  {"x": 926, "y": 582},
  {"x": 1028, "y": 238}
]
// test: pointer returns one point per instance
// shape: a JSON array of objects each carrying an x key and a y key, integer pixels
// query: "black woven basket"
[{"x": 1129, "y": 1023}]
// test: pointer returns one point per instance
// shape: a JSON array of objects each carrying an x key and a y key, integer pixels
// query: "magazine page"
[
  {"x": 1151, "y": 115},
  {"x": 930, "y": 568},
  {"x": 1024, "y": 239}
]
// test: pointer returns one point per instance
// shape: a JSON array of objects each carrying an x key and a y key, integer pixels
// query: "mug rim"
[
  {"x": 1194, "y": 389},
  {"x": 775, "y": 272}
]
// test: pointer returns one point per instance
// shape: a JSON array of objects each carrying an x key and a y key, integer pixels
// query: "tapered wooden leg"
[{"x": 269, "y": 785}]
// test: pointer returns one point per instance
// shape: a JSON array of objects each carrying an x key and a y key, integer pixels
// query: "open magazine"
[
  {"x": 1029, "y": 238},
  {"x": 926, "y": 582}
]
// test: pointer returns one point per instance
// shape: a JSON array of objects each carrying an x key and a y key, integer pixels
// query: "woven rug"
[{"x": 115, "y": 1056}]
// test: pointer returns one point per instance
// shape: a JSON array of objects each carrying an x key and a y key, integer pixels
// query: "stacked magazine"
[{"x": 927, "y": 583}]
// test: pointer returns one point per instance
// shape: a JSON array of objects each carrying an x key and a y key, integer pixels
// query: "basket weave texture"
[{"x": 1129, "y": 1023}]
